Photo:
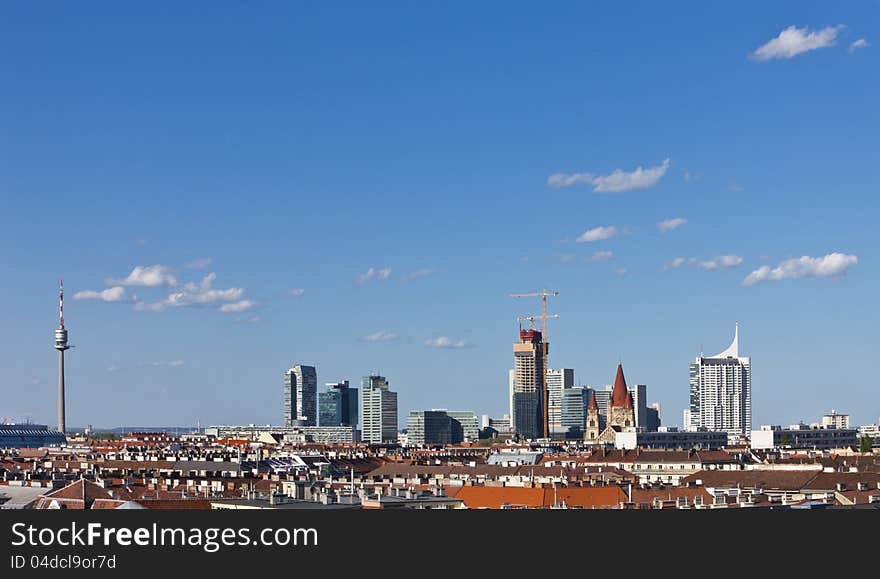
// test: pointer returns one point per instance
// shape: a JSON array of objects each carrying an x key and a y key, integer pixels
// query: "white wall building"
[
  {"x": 557, "y": 381},
  {"x": 721, "y": 391},
  {"x": 378, "y": 411}
]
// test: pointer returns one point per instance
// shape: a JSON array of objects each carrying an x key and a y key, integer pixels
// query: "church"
[{"x": 621, "y": 413}]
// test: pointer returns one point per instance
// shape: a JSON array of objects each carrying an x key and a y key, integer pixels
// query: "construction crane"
[
  {"x": 532, "y": 319},
  {"x": 544, "y": 294}
]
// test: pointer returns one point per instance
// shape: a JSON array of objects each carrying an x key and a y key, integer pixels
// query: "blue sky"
[{"x": 360, "y": 187}]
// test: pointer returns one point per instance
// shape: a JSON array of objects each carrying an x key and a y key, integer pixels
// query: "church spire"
[{"x": 620, "y": 393}]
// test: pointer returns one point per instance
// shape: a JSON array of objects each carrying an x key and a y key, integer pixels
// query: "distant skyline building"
[
  {"x": 557, "y": 382},
  {"x": 429, "y": 427},
  {"x": 378, "y": 411},
  {"x": 338, "y": 405},
  {"x": 528, "y": 384},
  {"x": 62, "y": 345},
  {"x": 573, "y": 411},
  {"x": 721, "y": 391},
  {"x": 835, "y": 420},
  {"x": 465, "y": 425},
  {"x": 301, "y": 396}
]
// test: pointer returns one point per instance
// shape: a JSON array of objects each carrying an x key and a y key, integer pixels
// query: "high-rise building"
[
  {"x": 653, "y": 420},
  {"x": 432, "y": 427},
  {"x": 603, "y": 399},
  {"x": 721, "y": 391},
  {"x": 528, "y": 387},
  {"x": 301, "y": 396},
  {"x": 640, "y": 402},
  {"x": 573, "y": 411},
  {"x": 465, "y": 425},
  {"x": 557, "y": 382},
  {"x": 378, "y": 411},
  {"x": 338, "y": 406}
]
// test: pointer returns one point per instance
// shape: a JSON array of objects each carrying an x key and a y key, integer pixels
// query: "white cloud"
[
  {"x": 621, "y": 272},
  {"x": 722, "y": 262},
  {"x": 671, "y": 224},
  {"x": 831, "y": 265},
  {"x": 423, "y": 272},
  {"x": 599, "y": 256},
  {"x": 616, "y": 182},
  {"x": 149, "y": 276},
  {"x": 193, "y": 294},
  {"x": 380, "y": 336},
  {"x": 860, "y": 43},
  {"x": 111, "y": 294},
  {"x": 794, "y": 41},
  {"x": 598, "y": 234},
  {"x": 374, "y": 273},
  {"x": 445, "y": 342},
  {"x": 248, "y": 320},
  {"x": 200, "y": 263},
  {"x": 297, "y": 292},
  {"x": 237, "y": 307}
]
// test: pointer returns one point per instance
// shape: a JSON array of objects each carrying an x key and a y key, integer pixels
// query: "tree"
[
  {"x": 784, "y": 441},
  {"x": 865, "y": 444}
]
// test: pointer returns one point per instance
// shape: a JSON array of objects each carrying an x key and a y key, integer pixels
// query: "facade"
[
  {"x": 465, "y": 425},
  {"x": 301, "y": 396},
  {"x": 29, "y": 436},
  {"x": 573, "y": 411},
  {"x": 501, "y": 425},
  {"x": 621, "y": 412},
  {"x": 653, "y": 422},
  {"x": 557, "y": 382},
  {"x": 670, "y": 439},
  {"x": 835, "y": 420},
  {"x": 721, "y": 391},
  {"x": 431, "y": 427},
  {"x": 378, "y": 411},
  {"x": 603, "y": 399},
  {"x": 802, "y": 436},
  {"x": 528, "y": 387},
  {"x": 338, "y": 406},
  {"x": 331, "y": 434},
  {"x": 640, "y": 404}
]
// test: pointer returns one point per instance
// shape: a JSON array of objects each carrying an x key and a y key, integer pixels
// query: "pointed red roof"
[
  {"x": 593, "y": 404},
  {"x": 620, "y": 394},
  {"x": 629, "y": 402}
]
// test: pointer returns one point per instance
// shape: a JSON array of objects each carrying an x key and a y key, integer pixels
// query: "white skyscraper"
[
  {"x": 557, "y": 381},
  {"x": 378, "y": 411},
  {"x": 721, "y": 391}
]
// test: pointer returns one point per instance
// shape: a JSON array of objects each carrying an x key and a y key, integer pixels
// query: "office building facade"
[
  {"x": 573, "y": 411},
  {"x": 557, "y": 382},
  {"x": 721, "y": 392},
  {"x": 301, "y": 396},
  {"x": 338, "y": 406},
  {"x": 378, "y": 412}
]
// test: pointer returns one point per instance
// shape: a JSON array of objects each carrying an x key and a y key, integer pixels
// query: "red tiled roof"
[{"x": 477, "y": 497}]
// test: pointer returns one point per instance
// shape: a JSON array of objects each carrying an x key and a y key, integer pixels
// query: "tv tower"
[{"x": 61, "y": 345}]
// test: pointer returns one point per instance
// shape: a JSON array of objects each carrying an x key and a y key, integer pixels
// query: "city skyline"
[{"x": 274, "y": 198}]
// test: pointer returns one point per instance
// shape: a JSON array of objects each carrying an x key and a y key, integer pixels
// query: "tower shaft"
[{"x": 61, "y": 415}]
